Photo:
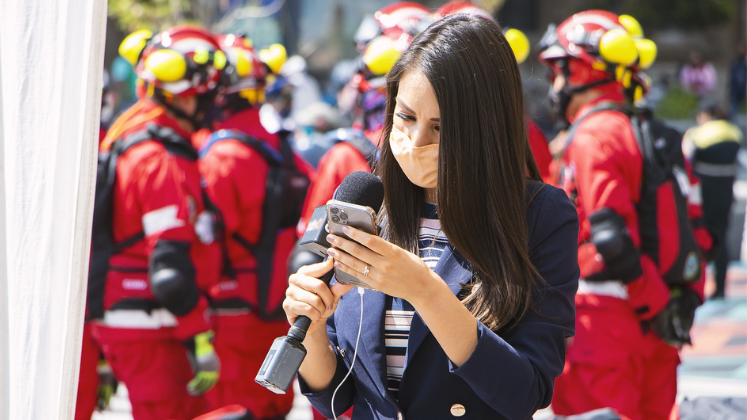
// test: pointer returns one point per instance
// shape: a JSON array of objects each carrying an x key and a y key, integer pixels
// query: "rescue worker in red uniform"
[
  {"x": 156, "y": 330},
  {"x": 615, "y": 359},
  {"x": 235, "y": 176}
]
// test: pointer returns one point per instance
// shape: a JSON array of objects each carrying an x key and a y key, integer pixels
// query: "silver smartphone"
[{"x": 341, "y": 214}]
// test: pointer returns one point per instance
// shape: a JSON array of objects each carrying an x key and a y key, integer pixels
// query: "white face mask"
[{"x": 420, "y": 164}]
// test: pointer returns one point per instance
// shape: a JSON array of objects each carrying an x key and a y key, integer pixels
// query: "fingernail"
[
  {"x": 331, "y": 239},
  {"x": 330, "y": 307},
  {"x": 346, "y": 230},
  {"x": 338, "y": 265},
  {"x": 331, "y": 252}
]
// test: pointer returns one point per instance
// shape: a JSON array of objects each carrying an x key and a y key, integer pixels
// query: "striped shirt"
[{"x": 399, "y": 312}]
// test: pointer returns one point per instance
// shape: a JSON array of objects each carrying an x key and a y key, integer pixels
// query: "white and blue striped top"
[{"x": 399, "y": 312}]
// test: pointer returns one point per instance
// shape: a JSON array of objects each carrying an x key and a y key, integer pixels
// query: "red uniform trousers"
[
  {"x": 613, "y": 363},
  {"x": 154, "y": 367},
  {"x": 242, "y": 342},
  {"x": 88, "y": 378}
]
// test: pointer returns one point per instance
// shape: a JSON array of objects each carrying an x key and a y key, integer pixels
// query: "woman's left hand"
[{"x": 391, "y": 269}]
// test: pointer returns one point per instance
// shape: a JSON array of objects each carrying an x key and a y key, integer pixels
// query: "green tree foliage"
[
  {"x": 155, "y": 15},
  {"x": 677, "y": 104},
  {"x": 662, "y": 14}
]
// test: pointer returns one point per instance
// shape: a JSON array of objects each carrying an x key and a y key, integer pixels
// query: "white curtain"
[{"x": 51, "y": 62}]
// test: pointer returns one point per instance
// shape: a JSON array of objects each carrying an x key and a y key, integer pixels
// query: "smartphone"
[{"x": 341, "y": 214}]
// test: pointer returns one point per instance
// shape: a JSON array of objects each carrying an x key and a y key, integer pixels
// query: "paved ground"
[
  {"x": 717, "y": 361},
  {"x": 716, "y": 364}
]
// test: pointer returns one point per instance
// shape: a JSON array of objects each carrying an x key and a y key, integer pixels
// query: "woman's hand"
[
  {"x": 309, "y": 296},
  {"x": 382, "y": 265}
]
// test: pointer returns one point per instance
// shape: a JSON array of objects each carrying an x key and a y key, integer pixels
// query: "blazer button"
[{"x": 458, "y": 410}]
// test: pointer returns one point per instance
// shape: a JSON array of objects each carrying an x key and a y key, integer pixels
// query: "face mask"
[{"x": 420, "y": 164}]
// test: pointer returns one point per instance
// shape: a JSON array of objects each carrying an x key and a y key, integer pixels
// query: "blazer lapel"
[
  {"x": 451, "y": 269},
  {"x": 373, "y": 349}
]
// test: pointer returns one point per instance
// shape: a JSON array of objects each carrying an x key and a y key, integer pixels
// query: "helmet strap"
[
  {"x": 204, "y": 103},
  {"x": 561, "y": 100}
]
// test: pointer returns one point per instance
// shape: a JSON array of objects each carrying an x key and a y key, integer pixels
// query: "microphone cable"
[{"x": 355, "y": 354}]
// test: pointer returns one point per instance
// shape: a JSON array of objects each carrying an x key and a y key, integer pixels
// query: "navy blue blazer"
[{"x": 510, "y": 375}]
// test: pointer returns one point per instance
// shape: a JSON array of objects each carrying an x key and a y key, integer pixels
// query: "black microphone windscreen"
[{"x": 361, "y": 188}]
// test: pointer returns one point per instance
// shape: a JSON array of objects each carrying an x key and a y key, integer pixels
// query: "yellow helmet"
[
  {"x": 381, "y": 54},
  {"x": 185, "y": 60},
  {"x": 133, "y": 45},
  {"x": 519, "y": 44}
]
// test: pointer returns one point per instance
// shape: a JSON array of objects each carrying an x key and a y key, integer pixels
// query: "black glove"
[{"x": 672, "y": 324}]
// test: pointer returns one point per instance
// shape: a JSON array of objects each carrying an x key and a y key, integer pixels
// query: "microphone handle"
[{"x": 302, "y": 323}]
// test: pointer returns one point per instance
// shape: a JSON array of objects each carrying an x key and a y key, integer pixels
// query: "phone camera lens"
[
  {"x": 335, "y": 219},
  {"x": 334, "y": 210},
  {"x": 343, "y": 216}
]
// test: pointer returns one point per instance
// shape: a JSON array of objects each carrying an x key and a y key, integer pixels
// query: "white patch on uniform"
[
  {"x": 205, "y": 227},
  {"x": 682, "y": 179},
  {"x": 134, "y": 284},
  {"x": 695, "y": 198},
  {"x": 161, "y": 220},
  {"x": 226, "y": 286}
]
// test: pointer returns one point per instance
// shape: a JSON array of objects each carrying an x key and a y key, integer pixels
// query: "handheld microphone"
[
  {"x": 287, "y": 353},
  {"x": 360, "y": 188}
]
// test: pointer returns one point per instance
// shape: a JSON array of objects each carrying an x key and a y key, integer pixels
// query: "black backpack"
[
  {"x": 103, "y": 246},
  {"x": 285, "y": 193},
  {"x": 664, "y": 186}
]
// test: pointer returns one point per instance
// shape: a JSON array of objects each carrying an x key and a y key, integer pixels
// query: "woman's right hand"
[{"x": 309, "y": 296}]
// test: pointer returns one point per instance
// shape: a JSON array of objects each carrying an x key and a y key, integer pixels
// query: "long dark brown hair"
[{"x": 484, "y": 163}]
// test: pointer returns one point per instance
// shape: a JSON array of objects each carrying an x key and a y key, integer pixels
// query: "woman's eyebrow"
[
  {"x": 408, "y": 109},
  {"x": 404, "y": 105}
]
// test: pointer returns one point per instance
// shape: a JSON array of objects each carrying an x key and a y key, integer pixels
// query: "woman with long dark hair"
[{"x": 476, "y": 267}]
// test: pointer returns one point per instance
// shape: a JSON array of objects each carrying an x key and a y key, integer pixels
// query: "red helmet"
[
  {"x": 604, "y": 45},
  {"x": 245, "y": 71},
  {"x": 454, "y": 7},
  {"x": 370, "y": 81},
  {"x": 398, "y": 18},
  {"x": 595, "y": 37},
  {"x": 185, "y": 60}
]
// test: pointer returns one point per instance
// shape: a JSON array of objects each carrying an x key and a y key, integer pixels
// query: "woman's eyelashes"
[
  {"x": 410, "y": 118},
  {"x": 404, "y": 116}
]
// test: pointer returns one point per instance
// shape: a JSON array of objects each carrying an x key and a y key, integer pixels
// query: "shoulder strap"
[
  {"x": 174, "y": 144},
  {"x": 606, "y": 106},
  {"x": 270, "y": 155},
  {"x": 263, "y": 250}
]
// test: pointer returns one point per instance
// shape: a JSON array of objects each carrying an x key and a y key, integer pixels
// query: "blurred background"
[
  {"x": 321, "y": 32},
  {"x": 318, "y": 36}
]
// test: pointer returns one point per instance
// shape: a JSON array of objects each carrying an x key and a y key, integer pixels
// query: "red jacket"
[
  {"x": 159, "y": 194},
  {"x": 235, "y": 177},
  {"x": 603, "y": 169},
  {"x": 540, "y": 149}
]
